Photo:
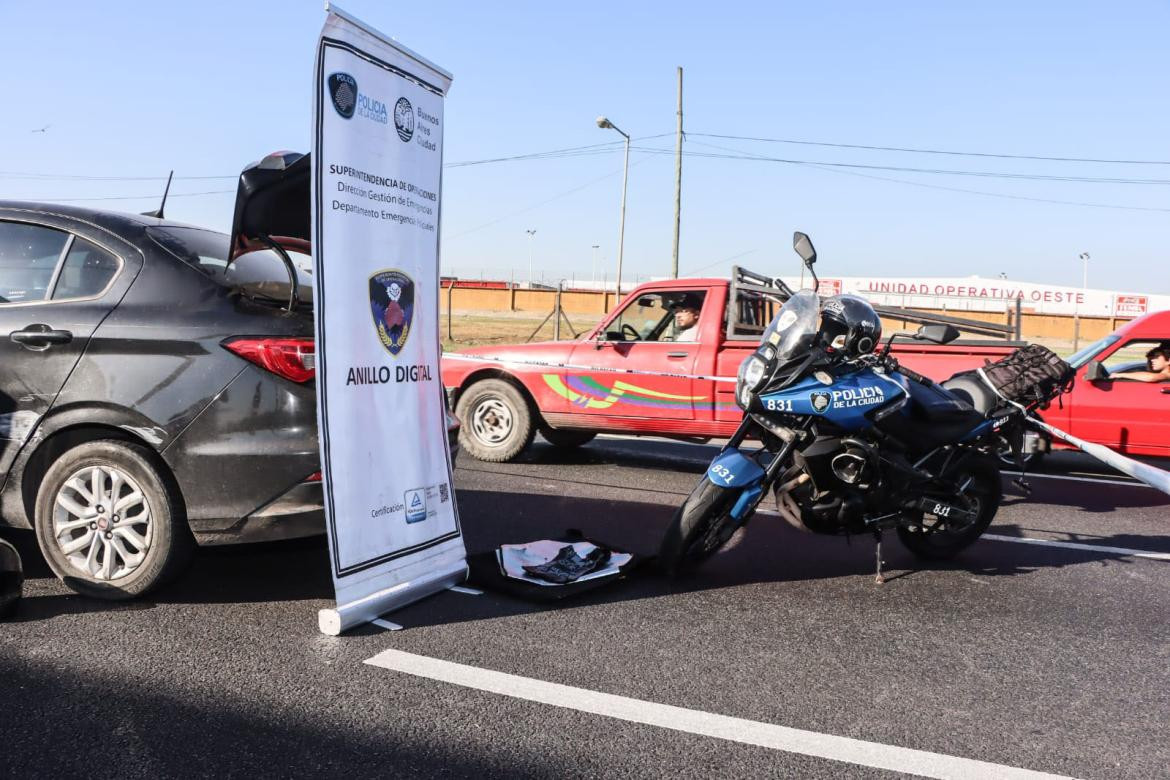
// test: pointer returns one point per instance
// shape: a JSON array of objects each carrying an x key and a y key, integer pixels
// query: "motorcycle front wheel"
[{"x": 698, "y": 529}]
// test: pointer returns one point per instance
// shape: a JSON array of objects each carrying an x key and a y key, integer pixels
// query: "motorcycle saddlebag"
[{"x": 1031, "y": 375}]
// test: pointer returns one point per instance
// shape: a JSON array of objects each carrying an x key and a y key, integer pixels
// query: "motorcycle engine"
[{"x": 843, "y": 484}]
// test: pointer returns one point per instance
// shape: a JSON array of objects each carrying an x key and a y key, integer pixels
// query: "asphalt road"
[{"x": 1052, "y": 659}]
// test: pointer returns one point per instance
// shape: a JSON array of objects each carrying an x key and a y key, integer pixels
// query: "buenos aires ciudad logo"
[
  {"x": 392, "y": 304},
  {"x": 343, "y": 92},
  {"x": 404, "y": 119}
]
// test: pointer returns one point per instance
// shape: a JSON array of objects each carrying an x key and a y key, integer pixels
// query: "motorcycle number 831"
[
  {"x": 722, "y": 472},
  {"x": 778, "y": 404}
]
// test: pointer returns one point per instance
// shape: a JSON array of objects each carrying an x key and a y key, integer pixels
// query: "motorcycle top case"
[{"x": 845, "y": 403}]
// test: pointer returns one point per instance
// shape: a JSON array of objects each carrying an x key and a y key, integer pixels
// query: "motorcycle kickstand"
[{"x": 877, "y": 538}]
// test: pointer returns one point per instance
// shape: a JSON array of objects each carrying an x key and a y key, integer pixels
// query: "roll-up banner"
[{"x": 393, "y": 526}]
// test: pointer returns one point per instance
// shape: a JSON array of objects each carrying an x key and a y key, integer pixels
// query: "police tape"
[
  {"x": 1154, "y": 477},
  {"x": 574, "y": 367}
]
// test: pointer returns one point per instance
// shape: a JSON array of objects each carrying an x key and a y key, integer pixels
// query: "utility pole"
[
  {"x": 1084, "y": 288},
  {"x": 678, "y": 139},
  {"x": 604, "y": 123},
  {"x": 531, "y": 236},
  {"x": 593, "y": 278}
]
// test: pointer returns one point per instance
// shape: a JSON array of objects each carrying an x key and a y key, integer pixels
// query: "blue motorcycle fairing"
[
  {"x": 746, "y": 499},
  {"x": 845, "y": 403},
  {"x": 732, "y": 469}
]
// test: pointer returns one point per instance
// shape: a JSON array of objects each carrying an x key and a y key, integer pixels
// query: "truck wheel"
[
  {"x": 108, "y": 522},
  {"x": 566, "y": 438},
  {"x": 496, "y": 421}
]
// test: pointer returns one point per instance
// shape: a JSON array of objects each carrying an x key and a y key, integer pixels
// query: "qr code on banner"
[{"x": 444, "y": 493}]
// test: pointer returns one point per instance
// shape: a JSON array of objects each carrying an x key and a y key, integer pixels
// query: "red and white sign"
[
  {"x": 1130, "y": 305},
  {"x": 829, "y": 287}
]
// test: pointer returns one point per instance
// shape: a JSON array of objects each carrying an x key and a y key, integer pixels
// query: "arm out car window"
[{"x": 28, "y": 257}]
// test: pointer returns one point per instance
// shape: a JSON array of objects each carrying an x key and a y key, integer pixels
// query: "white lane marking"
[
  {"x": 748, "y": 732},
  {"x": 1101, "y": 480},
  {"x": 1156, "y": 556},
  {"x": 386, "y": 624}
]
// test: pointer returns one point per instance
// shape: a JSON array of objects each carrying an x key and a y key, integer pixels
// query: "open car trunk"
[{"x": 269, "y": 253}]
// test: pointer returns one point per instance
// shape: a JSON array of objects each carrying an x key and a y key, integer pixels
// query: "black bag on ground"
[{"x": 1031, "y": 374}]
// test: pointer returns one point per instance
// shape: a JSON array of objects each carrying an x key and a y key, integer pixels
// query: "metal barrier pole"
[
  {"x": 557, "y": 314},
  {"x": 450, "y": 293}
]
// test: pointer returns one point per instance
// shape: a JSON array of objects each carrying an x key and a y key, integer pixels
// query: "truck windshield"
[{"x": 1083, "y": 356}]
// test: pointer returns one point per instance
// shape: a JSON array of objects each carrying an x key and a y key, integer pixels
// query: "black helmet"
[{"x": 850, "y": 326}]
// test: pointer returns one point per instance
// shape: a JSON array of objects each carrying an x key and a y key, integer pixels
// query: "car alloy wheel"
[{"x": 102, "y": 523}]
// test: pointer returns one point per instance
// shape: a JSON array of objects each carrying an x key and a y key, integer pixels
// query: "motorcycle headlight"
[
  {"x": 753, "y": 372},
  {"x": 751, "y": 376}
]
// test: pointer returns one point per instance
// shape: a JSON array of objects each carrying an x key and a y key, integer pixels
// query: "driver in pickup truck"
[
  {"x": 686, "y": 318},
  {"x": 1158, "y": 362}
]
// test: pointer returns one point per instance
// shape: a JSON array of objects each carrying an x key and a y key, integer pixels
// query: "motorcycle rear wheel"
[
  {"x": 701, "y": 526},
  {"x": 982, "y": 497}
]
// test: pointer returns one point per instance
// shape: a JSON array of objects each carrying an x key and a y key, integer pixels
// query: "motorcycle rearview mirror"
[
  {"x": 937, "y": 334},
  {"x": 804, "y": 247}
]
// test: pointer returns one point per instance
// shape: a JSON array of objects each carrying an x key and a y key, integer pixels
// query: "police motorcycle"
[{"x": 852, "y": 442}]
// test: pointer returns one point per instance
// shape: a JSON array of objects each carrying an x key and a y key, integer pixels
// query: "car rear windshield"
[{"x": 204, "y": 250}]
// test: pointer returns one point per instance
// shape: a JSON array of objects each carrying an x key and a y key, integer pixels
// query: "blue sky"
[{"x": 136, "y": 88}]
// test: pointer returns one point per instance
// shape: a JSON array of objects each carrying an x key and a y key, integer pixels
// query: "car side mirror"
[
  {"x": 803, "y": 246},
  {"x": 1095, "y": 372},
  {"x": 937, "y": 334}
]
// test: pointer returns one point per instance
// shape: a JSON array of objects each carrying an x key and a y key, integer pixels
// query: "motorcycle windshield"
[{"x": 793, "y": 330}]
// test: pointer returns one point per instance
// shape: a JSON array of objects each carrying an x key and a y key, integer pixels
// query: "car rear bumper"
[{"x": 298, "y": 513}]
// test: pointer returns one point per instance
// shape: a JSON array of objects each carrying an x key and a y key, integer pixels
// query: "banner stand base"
[{"x": 346, "y": 616}]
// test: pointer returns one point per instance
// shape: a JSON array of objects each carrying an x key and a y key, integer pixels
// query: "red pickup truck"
[{"x": 630, "y": 374}]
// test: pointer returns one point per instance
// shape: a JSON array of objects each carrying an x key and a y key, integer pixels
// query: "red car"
[{"x": 1129, "y": 416}]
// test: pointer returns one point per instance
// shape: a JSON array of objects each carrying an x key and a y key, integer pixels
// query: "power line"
[
  {"x": 933, "y": 151},
  {"x": 741, "y": 155},
  {"x": 152, "y": 196},
  {"x": 969, "y": 191}
]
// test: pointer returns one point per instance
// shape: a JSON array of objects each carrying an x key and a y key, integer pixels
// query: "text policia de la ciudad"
[{"x": 386, "y": 196}]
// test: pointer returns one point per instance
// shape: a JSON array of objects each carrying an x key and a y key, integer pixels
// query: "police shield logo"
[
  {"x": 404, "y": 119},
  {"x": 820, "y": 401},
  {"x": 343, "y": 92},
  {"x": 392, "y": 304}
]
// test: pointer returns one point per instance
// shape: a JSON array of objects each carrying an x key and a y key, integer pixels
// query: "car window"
[
  {"x": 203, "y": 250},
  {"x": 655, "y": 317},
  {"x": 28, "y": 256},
  {"x": 87, "y": 271}
]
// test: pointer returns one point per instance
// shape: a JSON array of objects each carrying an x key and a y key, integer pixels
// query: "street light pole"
[
  {"x": 593, "y": 277},
  {"x": 531, "y": 237},
  {"x": 1084, "y": 289},
  {"x": 604, "y": 123}
]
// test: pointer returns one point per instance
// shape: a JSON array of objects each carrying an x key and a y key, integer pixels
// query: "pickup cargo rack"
[{"x": 753, "y": 300}]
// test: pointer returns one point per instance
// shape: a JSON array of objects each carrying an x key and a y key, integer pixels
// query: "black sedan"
[{"x": 152, "y": 395}]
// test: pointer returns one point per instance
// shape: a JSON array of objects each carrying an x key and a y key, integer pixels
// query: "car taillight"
[{"x": 293, "y": 359}]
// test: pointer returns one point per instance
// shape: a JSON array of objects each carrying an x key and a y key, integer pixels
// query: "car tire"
[
  {"x": 109, "y": 522},
  {"x": 496, "y": 421},
  {"x": 567, "y": 438}
]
